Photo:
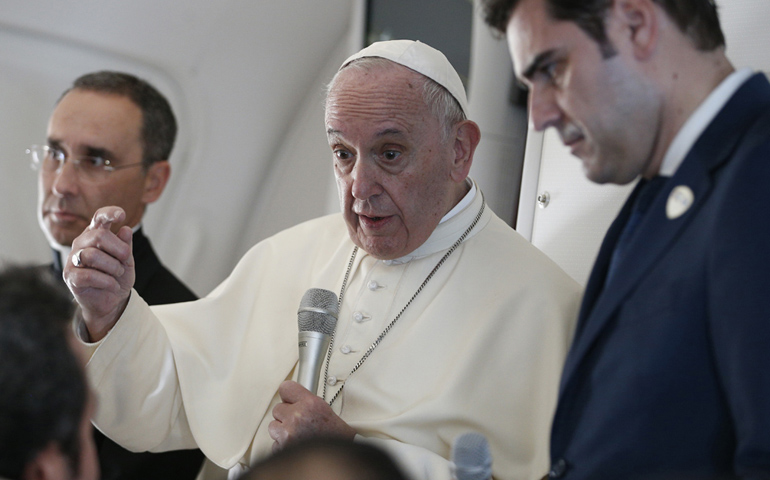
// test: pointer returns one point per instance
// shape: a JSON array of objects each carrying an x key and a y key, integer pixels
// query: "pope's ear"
[
  {"x": 155, "y": 181},
  {"x": 466, "y": 139}
]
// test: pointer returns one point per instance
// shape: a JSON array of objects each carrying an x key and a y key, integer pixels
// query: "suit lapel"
[
  {"x": 598, "y": 274},
  {"x": 656, "y": 233}
]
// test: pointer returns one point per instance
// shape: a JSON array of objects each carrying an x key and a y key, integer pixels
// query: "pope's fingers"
[
  {"x": 278, "y": 433},
  {"x": 292, "y": 392},
  {"x": 84, "y": 278},
  {"x": 106, "y": 216},
  {"x": 118, "y": 246},
  {"x": 76, "y": 260},
  {"x": 96, "y": 259},
  {"x": 126, "y": 234},
  {"x": 281, "y": 411}
]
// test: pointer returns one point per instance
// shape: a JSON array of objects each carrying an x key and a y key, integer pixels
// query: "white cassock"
[{"x": 479, "y": 349}]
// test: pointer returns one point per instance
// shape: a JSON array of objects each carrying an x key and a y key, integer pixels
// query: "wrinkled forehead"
[
  {"x": 377, "y": 74},
  {"x": 384, "y": 86}
]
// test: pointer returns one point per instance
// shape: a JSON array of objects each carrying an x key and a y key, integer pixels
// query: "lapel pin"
[{"x": 679, "y": 201}]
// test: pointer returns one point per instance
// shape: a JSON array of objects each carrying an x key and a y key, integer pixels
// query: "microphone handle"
[{"x": 312, "y": 352}]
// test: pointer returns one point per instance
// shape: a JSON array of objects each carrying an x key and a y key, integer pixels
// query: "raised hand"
[{"x": 100, "y": 271}]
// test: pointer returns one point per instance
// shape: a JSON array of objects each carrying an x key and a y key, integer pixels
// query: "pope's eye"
[
  {"x": 391, "y": 154},
  {"x": 342, "y": 154}
]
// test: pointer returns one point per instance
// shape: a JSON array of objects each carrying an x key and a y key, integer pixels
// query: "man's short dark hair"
[
  {"x": 698, "y": 19},
  {"x": 158, "y": 121},
  {"x": 43, "y": 390}
]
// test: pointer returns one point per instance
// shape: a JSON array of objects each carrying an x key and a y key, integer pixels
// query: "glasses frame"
[{"x": 39, "y": 153}]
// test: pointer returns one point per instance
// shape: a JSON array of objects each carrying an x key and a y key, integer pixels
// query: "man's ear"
[
  {"x": 466, "y": 139},
  {"x": 49, "y": 464},
  {"x": 639, "y": 23},
  {"x": 155, "y": 181}
]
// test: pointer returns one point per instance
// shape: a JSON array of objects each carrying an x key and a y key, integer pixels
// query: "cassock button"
[
  {"x": 558, "y": 469},
  {"x": 332, "y": 381},
  {"x": 373, "y": 285},
  {"x": 346, "y": 349},
  {"x": 358, "y": 317}
]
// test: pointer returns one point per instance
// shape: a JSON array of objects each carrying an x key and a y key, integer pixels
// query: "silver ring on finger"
[{"x": 76, "y": 258}]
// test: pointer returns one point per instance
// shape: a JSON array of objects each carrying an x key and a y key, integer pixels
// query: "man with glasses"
[{"x": 109, "y": 140}]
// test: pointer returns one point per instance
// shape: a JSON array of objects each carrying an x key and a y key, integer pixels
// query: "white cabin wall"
[
  {"x": 497, "y": 163},
  {"x": 282, "y": 201}
]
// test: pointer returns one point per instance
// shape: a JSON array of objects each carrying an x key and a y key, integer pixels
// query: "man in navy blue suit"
[{"x": 668, "y": 373}]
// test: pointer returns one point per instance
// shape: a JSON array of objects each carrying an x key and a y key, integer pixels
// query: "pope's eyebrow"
[{"x": 390, "y": 131}]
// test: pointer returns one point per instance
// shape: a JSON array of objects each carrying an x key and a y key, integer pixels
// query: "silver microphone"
[
  {"x": 471, "y": 457},
  {"x": 316, "y": 317}
]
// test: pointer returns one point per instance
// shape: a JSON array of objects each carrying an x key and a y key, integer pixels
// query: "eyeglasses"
[{"x": 50, "y": 160}]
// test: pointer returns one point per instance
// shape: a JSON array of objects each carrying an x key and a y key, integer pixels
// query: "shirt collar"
[
  {"x": 466, "y": 200},
  {"x": 700, "y": 119},
  {"x": 449, "y": 228}
]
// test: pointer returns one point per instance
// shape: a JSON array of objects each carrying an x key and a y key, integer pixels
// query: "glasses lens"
[
  {"x": 42, "y": 158},
  {"x": 92, "y": 169},
  {"x": 49, "y": 160}
]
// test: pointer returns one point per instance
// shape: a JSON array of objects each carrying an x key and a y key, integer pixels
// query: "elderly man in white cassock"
[{"x": 449, "y": 321}]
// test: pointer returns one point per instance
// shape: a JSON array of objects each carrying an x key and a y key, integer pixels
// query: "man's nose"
[
  {"x": 365, "y": 176},
  {"x": 544, "y": 111},
  {"x": 65, "y": 179}
]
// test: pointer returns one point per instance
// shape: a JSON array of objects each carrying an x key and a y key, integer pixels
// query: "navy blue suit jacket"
[{"x": 669, "y": 373}]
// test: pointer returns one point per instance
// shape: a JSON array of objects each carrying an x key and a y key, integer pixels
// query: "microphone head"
[
  {"x": 318, "y": 311},
  {"x": 471, "y": 457}
]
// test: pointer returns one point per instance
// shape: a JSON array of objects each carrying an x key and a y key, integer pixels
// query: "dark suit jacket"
[
  {"x": 669, "y": 373},
  {"x": 157, "y": 285}
]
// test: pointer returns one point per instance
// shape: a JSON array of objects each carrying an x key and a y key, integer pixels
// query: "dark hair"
[
  {"x": 158, "y": 121},
  {"x": 43, "y": 389},
  {"x": 698, "y": 19},
  {"x": 307, "y": 459}
]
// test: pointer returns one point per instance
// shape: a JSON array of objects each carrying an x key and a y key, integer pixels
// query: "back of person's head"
[
  {"x": 43, "y": 390},
  {"x": 698, "y": 19},
  {"x": 158, "y": 122},
  {"x": 327, "y": 459}
]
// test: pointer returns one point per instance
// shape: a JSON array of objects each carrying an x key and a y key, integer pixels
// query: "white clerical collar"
[
  {"x": 466, "y": 200},
  {"x": 451, "y": 226},
  {"x": 700, "y": 119}
]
